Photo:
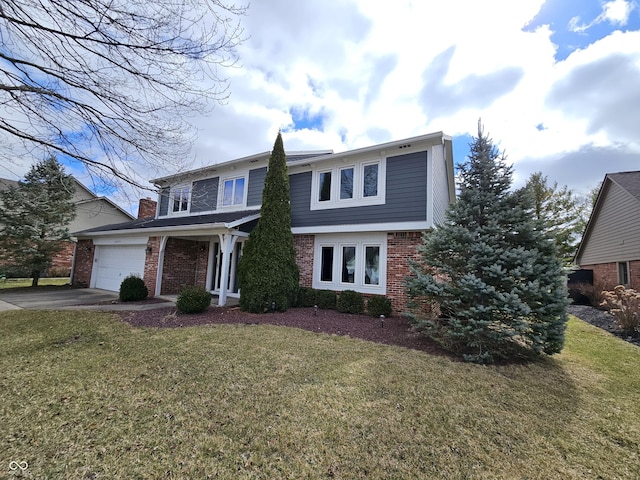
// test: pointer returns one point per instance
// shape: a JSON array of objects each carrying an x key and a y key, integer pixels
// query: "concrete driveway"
[{"x": 43, "y": 298}]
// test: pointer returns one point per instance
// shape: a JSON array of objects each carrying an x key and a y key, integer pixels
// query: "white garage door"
[{"x": 115, "y": 262}]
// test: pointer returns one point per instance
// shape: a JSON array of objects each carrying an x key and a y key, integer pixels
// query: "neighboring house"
[
  {"x": 610, "y": 246},
  {"x": 356, "y": 216},
  {"x": 91, "y": 211}
]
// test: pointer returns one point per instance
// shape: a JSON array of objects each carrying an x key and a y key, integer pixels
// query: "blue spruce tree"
[{"x": 492, "y": 269}]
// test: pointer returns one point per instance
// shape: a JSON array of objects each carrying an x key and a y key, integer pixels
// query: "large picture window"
[
  {"x": 350, "y": 262},
  {"x": 362, "y": 183}
]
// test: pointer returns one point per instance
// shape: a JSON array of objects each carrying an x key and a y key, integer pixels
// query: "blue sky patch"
[
  {"x": 303, "y": 118},
  {"x": 576, "y": 24}
]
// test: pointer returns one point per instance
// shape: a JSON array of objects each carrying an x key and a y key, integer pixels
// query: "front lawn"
[
  {"x": 85, "y": 396},
  {"x": 26, "y": 282}
]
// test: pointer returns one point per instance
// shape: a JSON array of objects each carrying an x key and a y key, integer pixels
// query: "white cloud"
[{"x": 375, "y": 71}]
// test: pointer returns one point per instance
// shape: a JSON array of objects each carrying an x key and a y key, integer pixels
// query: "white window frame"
[
  {"x": 361, "y": 242},
  {"x": 358, "y": 198},
  {"x": 233, "y": 206},
  {"x": 172, "y": 196},
  {"x": 625, "y": 266}
]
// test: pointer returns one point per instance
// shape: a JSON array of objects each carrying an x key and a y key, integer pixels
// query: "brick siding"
[
  {"x": 401, "y": 246},
  {"x": 84, "y": 263},
  {"x": 304, "y": 258},
  {"x": 605, "y": 275},
  {"x": 185, "y": 263}
]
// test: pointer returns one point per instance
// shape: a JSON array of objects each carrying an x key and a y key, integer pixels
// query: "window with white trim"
[
  {"x": 180, "y": 199},
  {"x": 623, "y": 273},
  {"x": 350, "y": 262},
  {"x": 351, "y": 185},
  {"x": 233, "y": 192}
]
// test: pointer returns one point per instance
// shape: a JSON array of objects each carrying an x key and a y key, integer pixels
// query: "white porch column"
[
  {"x": 163, "y": 246},
  {"x": 227, "y": 242}
]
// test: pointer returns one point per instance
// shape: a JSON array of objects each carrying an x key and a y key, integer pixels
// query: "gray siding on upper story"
[
  {"x": 204, "y": 195},
  {"x": 163, "y": 201},
  {"x": 614, "y": 235},
  {"x": 406, "y": 197},
  {"x": 256, "y": 185}
]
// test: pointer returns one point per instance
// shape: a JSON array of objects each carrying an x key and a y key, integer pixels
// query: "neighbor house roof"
[{"x": 628, "y": 181}]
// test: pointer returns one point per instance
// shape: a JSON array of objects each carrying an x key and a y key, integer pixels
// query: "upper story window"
[
  {"x": 180, "y": 199},
  {"x": 361, "y": 183},
  {"x": 233, "y": 192}
]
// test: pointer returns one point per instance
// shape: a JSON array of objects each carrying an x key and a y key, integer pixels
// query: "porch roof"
[{"x": 225, "y": 220}]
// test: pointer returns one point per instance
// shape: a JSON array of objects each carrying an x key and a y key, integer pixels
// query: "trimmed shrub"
[
  {"x": 326, "y": 299},
  {"x": 306, "y": 297},
  {"x": 379, "y": 305},
  {"x": 133, "y": 289},
  {"x": 350, "y": 301},
  {"x": 14, "y": 271},
  {"x": 193, "y": 299}
]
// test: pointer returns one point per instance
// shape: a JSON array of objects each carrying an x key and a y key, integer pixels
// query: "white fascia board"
[
  {"x": 366, "y": 227},
  {"x": 241, "y": 221},
  {"x": 389, "y": 149},
  {"x": 122, "y": 241},
  {"x": 202, "y": 229}
]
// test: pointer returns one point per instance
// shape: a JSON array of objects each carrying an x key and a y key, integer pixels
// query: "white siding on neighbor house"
[
  {"x": 615, "y": 229},
  {"x": 440, "y": 184}
]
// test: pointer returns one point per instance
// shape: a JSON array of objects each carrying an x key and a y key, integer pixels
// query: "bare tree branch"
[{"x": 112, "y": 83}]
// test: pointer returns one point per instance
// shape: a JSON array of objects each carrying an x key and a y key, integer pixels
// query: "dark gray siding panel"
[
  {"x": 256, "y": 185},
  {"x": 204, "y": 197},
  {"x": 406, "y": 197},
  {"x": 164, "y": 202}
]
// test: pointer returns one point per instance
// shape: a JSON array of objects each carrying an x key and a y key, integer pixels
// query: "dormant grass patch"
[{"x": 85, "y": 396}]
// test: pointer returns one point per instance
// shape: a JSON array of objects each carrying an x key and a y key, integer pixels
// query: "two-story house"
[{"x": 357, "y": 217}]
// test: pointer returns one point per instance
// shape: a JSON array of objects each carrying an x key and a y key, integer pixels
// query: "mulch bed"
[{"x": 393, "y": 331}]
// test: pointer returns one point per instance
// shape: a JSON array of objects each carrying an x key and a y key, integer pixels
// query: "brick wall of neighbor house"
[
  {"x": 147, "y": 208},
  {"x": 401, "y": 246},
  {"x": 304, "y": 258},
  {"x": 84, "y": 263},
  {"x": 61, "y": 262},
  {"x": 605, "y": 275},
  {"x": 185, "y": 263}
]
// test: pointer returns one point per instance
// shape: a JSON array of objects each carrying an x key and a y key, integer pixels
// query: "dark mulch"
[
  {"x": 604, "y": 320},
  {"x": 393, "y": 331}
]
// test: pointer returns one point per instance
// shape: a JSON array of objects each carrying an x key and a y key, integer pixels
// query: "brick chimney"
[{"x": 146, "y": 208}]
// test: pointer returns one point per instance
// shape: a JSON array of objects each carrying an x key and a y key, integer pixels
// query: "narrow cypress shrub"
[{"x": 268, "y": 274}]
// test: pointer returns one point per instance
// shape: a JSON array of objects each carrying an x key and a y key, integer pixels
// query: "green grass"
[
  {"x": 26, "y": 282},
  {"x": 84, "y": 396}
]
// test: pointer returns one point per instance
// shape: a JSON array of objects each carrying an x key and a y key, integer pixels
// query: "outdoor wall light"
[
  {"x": 87, "y": 249},
  {"x": 148, "y": 249}
]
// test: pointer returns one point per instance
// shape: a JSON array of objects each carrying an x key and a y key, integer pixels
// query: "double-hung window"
[
  {"x": 350, "y": 262},
  {"x": 350, "y": 185},
  {"x": 233, "y": 192},
  {"x": 180, "y": 199}
]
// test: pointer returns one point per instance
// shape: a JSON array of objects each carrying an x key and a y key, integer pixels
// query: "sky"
[{"x": 556, "y": 83}]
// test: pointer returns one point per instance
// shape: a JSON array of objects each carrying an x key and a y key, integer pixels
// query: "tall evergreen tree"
[
  {"x": 560, "y": 211},
  {"x": 268, "y": 274},
  {"x": 492, "y": 268},
  {"x": 34, "y": 217}
]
